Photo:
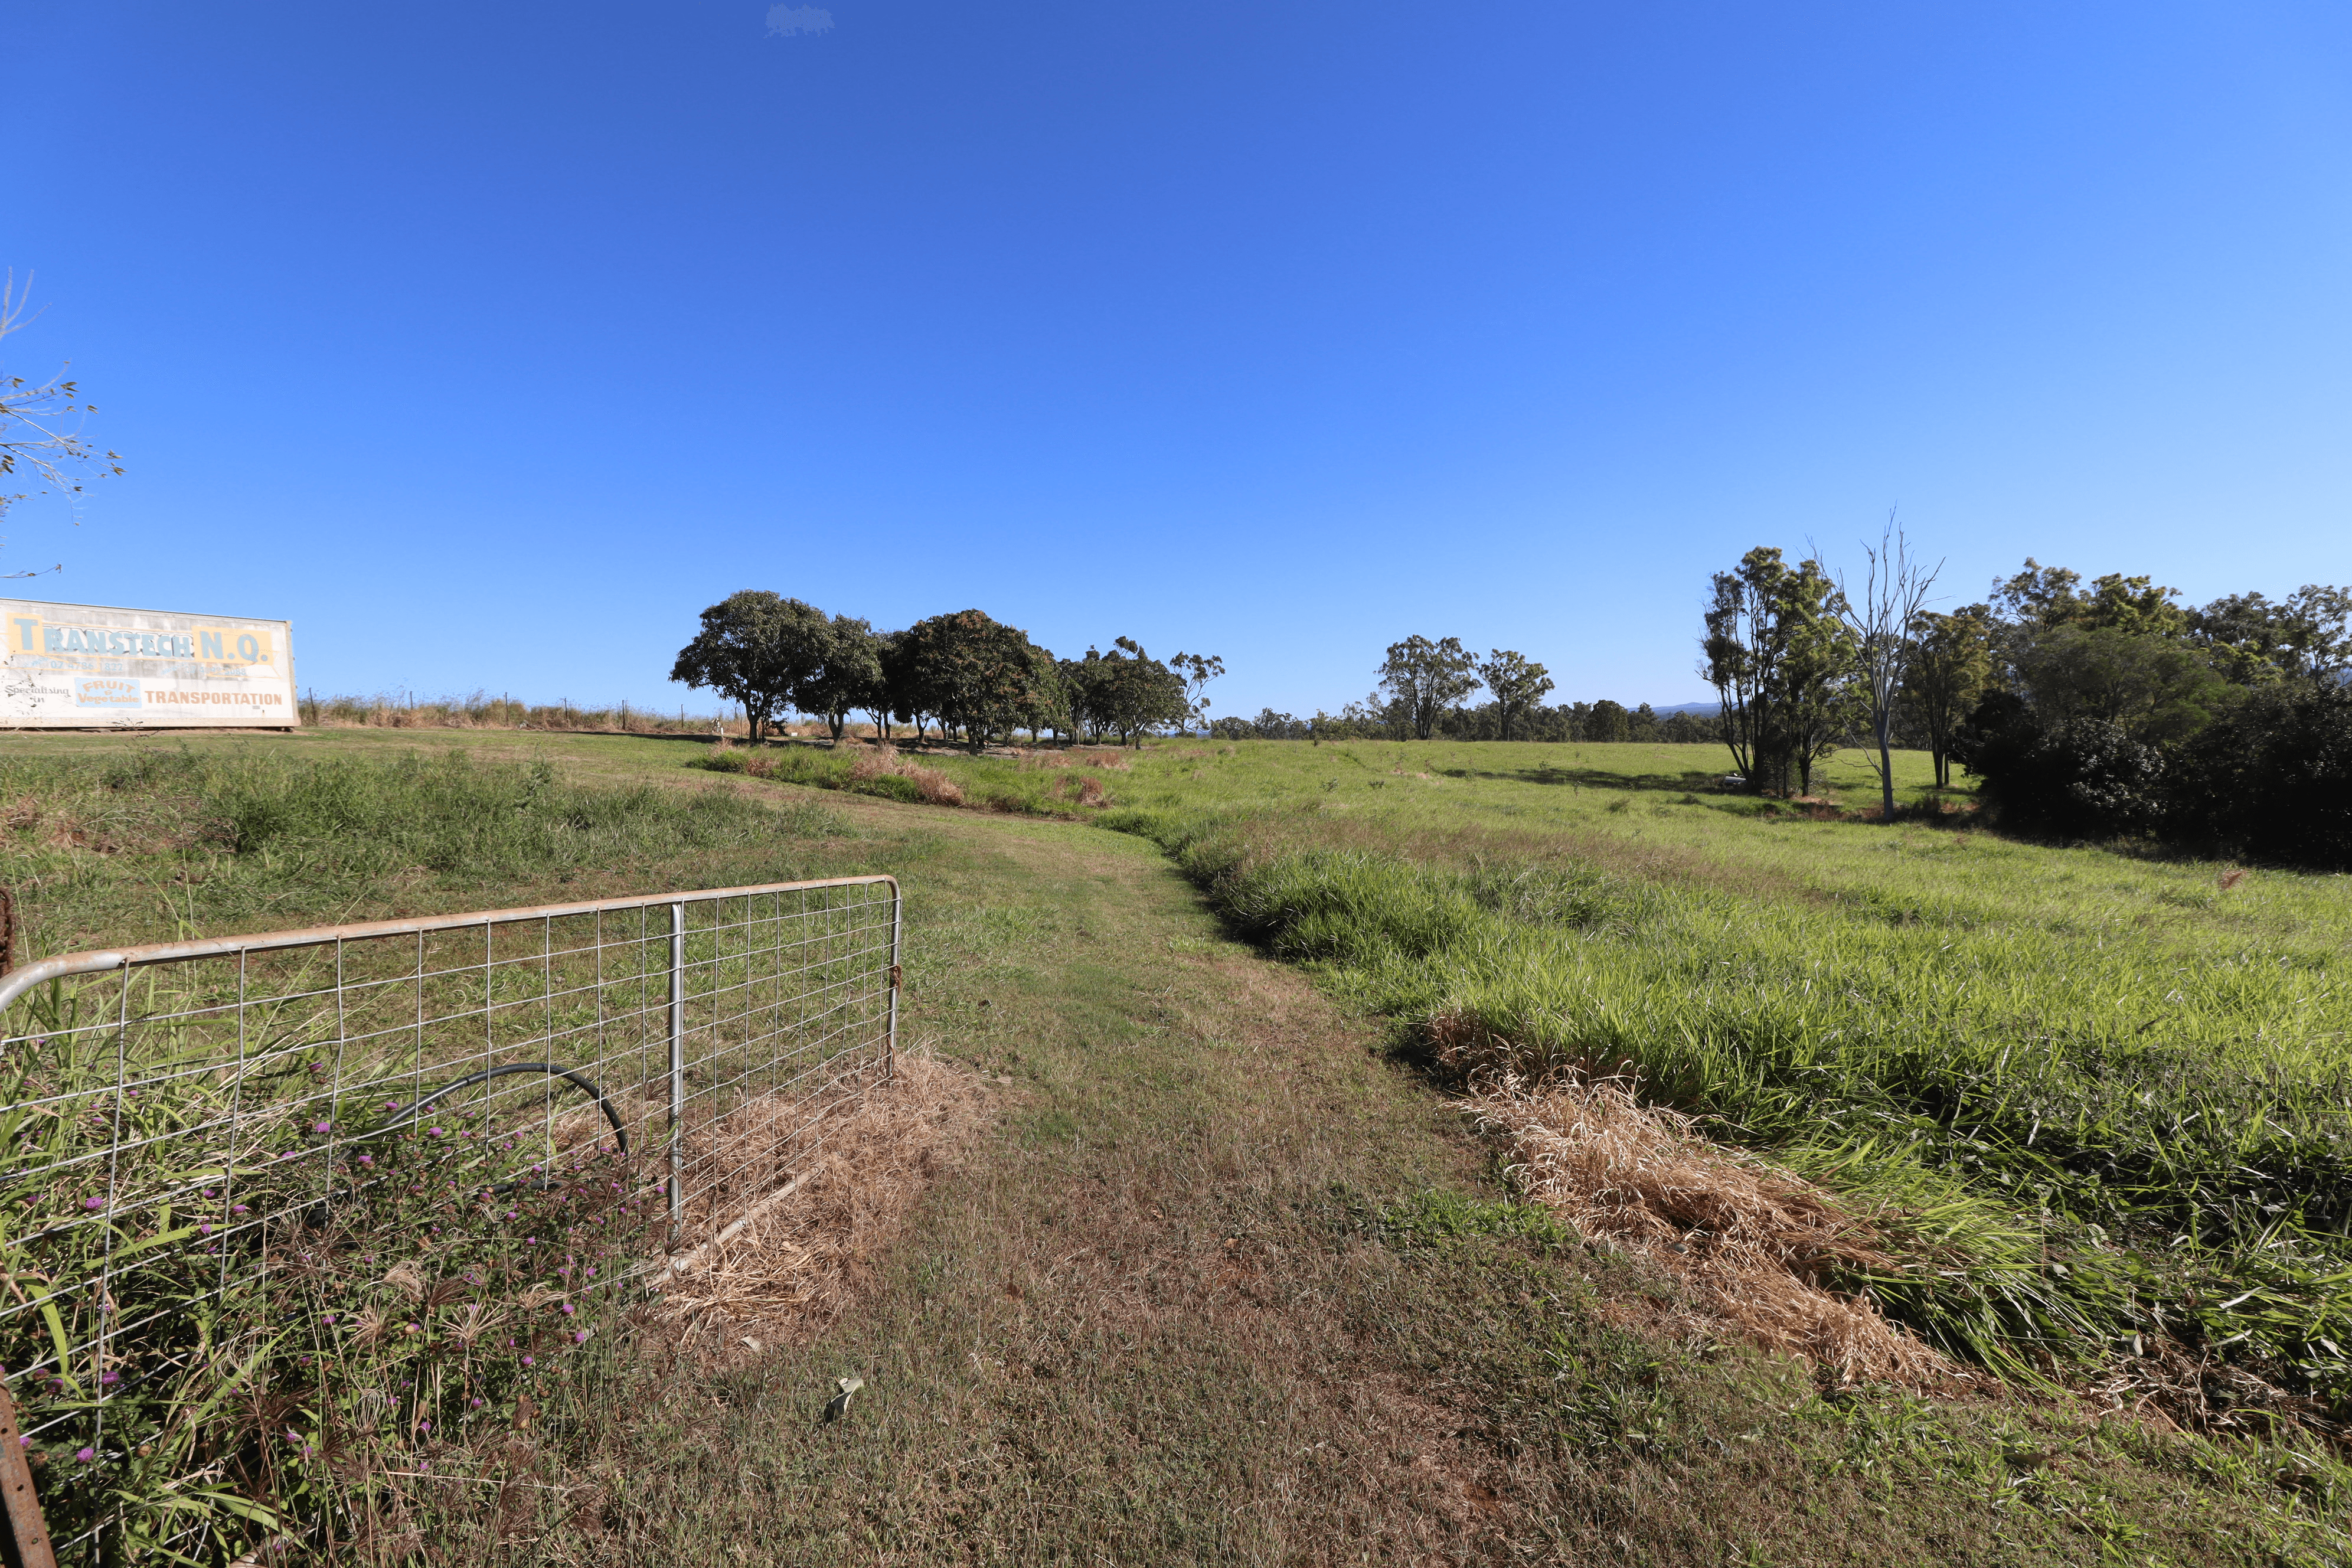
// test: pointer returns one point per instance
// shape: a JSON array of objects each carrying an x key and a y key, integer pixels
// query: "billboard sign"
[{"x": 89, "y": 667}]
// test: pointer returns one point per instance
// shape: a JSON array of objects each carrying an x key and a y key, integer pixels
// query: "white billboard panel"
[{"x": 85, "y": 667}]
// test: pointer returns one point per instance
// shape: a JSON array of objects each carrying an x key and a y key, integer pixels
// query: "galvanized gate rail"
[{"x": 230, "y": 1166}]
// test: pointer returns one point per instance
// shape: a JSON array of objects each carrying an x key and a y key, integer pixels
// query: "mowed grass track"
[{"x": 1226, "y": 1283}]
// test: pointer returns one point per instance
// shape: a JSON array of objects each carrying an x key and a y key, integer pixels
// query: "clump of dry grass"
[
  {"x": 936, "y": 787},
  {"x": 799, "y": 1260},
  {"x": 1754, "y": 1244},
  {"x": 1108, "y": 759},
  {"x": 1080, "y": 792}
]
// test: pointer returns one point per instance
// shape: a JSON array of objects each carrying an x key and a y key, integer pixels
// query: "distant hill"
[{"x": 1707, "y": 708}]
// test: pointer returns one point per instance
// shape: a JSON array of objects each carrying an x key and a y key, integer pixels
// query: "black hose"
[{"x": 577, "y": 1079}]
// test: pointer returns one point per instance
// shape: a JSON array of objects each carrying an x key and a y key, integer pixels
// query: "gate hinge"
[{"x": 894, "y": 978}]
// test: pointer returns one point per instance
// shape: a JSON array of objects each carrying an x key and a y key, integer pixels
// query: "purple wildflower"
[{"x": 86, "y": 1456}]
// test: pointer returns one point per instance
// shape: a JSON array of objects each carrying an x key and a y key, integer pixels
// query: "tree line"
[
  {"x": 1387, "y": 719},
  {"x": 2089, "y": 711},
  {"x": 977, "y": 680},
  {"x": 1423, "y": 692}
]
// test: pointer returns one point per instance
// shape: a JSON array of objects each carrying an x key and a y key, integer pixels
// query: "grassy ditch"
[
  {"x": 1045, "y": 783},
  {"x": 2103, "y": 1101}
]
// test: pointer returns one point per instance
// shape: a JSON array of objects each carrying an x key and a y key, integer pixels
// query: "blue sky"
[{"x": 488, "y": 344}]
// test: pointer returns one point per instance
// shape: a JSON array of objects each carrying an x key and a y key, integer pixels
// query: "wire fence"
[{"x": 280, "y": 1214}]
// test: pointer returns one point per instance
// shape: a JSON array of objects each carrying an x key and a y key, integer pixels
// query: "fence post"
[
  {"x": 890, "y": 1048},
  {"x": 676, "y": 1070}
]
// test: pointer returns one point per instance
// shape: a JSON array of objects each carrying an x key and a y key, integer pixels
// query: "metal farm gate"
[{"x": 280, "y": 1212}]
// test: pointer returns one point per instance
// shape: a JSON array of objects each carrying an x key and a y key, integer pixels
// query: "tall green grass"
[
  {"x": 168, "y": 837},
  {"x": 2120, "y": 1089}
]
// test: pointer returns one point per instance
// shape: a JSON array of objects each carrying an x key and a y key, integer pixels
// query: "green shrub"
[{"x": 889, "y": 786}]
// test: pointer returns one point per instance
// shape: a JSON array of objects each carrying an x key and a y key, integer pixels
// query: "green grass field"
[
  {"x": 2123, "y": 1081},
  {"x": 1231, "y": 1283}
]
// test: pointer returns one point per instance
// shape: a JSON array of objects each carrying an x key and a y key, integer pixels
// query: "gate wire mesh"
[{"x": 282, "y": 1215}]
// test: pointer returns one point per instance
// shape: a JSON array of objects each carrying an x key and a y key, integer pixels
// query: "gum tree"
[
  {"x": 1426, "y": 678},
  {"x": 40, "y": 435},
  {"x": 1950, "y": 670},
  {"x": 1878, "y": 624},
  {"x": 1196, "y": 671},
  {"x": 1518, "y": 685},
  {"x": 1779, "y": 655}
]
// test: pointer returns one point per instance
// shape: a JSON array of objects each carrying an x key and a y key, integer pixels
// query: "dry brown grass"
[
  {"x": 798, "y": 1262},
  {"x": 936, "y": 787},
  {"x": 1079, "y": 792},
  {"x": 1753, "y": 1243}
]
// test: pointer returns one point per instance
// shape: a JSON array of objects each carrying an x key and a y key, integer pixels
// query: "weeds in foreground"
[{"x": 261, "y": 1345}]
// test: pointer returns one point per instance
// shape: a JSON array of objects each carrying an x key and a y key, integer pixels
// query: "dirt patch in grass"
[{"x": 804, "y": 1254}]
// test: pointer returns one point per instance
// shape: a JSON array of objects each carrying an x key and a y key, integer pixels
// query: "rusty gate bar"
[{"x": 239, "y": 1168}]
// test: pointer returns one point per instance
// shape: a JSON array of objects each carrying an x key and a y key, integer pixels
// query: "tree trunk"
[{"x": 1885, "y": 773}]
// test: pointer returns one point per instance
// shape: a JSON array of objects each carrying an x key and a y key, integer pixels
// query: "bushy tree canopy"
[
  {"x": 757, "y": 648},
  {"x": 2117, "y": 711},
  {"x": 849, "y": 677},
  {"x": 1427, "y": 678},
  {"x": 977, "y": 674},
  {"x": 1129, "y": 693},
  {"x": 1781, "y": 659},
  {"x": 1518, "y": 685}
]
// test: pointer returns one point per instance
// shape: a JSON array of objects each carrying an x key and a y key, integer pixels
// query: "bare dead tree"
[
  {"x": 1880, "y": 617},
  {"x": 40, "y": 434}
]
